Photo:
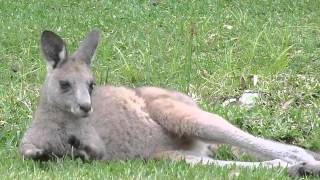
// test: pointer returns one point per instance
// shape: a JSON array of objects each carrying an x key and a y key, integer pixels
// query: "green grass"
[{"x": 202, "y": 48}]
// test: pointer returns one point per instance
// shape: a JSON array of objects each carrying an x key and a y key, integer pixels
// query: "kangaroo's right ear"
[{"x": 53, "y": 49}]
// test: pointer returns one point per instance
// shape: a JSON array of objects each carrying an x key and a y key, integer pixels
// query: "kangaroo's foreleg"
[
  {"x": 42, "y": 143},
  {"x": 186, "y": 120}
]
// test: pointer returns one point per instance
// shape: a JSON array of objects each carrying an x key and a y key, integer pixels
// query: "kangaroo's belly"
[{"x": 120, "y": 118}]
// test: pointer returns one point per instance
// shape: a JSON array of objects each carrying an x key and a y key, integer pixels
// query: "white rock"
[{"x": 248, "y": 98}]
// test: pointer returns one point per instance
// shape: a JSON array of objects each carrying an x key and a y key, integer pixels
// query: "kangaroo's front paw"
[
  {"x": 76, "y": 151},
  {"x": 83, "y": 151},
  {"x": 93, "y": 152},
  {"x": 304, "y": 169},
  {"x": 36, "y": 154},
  {"x": 74, "y": 141}
]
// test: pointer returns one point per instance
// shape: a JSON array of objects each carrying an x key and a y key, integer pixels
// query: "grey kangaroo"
[{"x": 75, "y": 118}]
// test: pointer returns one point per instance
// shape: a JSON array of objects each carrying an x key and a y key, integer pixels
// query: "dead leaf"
[
  {"x": 233, "y": 174},
  {"x": 229, "y": 101},
  {"x": 287, "y": 104},
  {"x": 229, "y": 27},
  {"x": 242, "y": 83},
  {"x": 254, "y": 80}
]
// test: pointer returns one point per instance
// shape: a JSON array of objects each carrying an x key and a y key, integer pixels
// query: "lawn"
[{"x": 209, "y": 49}]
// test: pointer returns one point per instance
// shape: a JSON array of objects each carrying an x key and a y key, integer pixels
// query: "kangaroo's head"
[{"x": 69, "y": 81}]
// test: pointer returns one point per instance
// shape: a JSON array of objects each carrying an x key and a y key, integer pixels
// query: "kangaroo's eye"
[
  {"x": 91, "y": 86},
  {"x": 65, "y": 85}
]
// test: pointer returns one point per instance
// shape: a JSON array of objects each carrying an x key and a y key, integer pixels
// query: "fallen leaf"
[
  {"x": 233, "y": 174},
  {"x": 287, "y": 104},
  {"x": 229, "y": 27},
  {"x": 242, "y": 83},
  {"x": 229, "y": 101},
  {"x": 254, "y": 80}
]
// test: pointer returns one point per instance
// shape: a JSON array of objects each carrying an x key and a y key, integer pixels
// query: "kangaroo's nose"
[{"x": 85, "y": 107}]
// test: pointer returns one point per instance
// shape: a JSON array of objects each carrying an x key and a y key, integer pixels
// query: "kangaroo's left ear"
[{"x": 87, "y": 47}]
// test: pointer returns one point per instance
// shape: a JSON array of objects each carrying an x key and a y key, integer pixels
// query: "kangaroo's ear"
[
  {"x": 53, "y": 49},
  {"x": 87, "y": 47}
]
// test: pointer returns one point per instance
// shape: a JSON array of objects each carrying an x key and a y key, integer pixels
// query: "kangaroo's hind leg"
[
  {"x": 182, "y": 119},
  {"x": 193, "y": 159}
]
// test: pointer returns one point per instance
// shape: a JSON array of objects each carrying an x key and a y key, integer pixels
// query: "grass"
[{"x": 202, "y": 48}]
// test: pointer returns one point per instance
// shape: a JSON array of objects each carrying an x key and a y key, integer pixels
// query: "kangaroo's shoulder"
[
  {"x": 114, "y": 97},
  {"x": 146, "y": 93},
  {"x": 141, "y": 95},
  {"x": 110, "y": 91}
]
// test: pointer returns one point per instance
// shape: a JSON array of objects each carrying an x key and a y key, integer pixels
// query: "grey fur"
[{"x": 119, "y": 123}]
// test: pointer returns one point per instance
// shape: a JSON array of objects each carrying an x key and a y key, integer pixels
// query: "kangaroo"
[{"x": 75, "y": 118}]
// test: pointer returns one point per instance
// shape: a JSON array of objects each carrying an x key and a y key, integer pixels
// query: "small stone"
[{"x": 248, "y": 98}]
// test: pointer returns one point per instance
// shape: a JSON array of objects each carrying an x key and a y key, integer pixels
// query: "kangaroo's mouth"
[
  {"x": 80, "y": 113},
  {"x": 85, "y": 115}
]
